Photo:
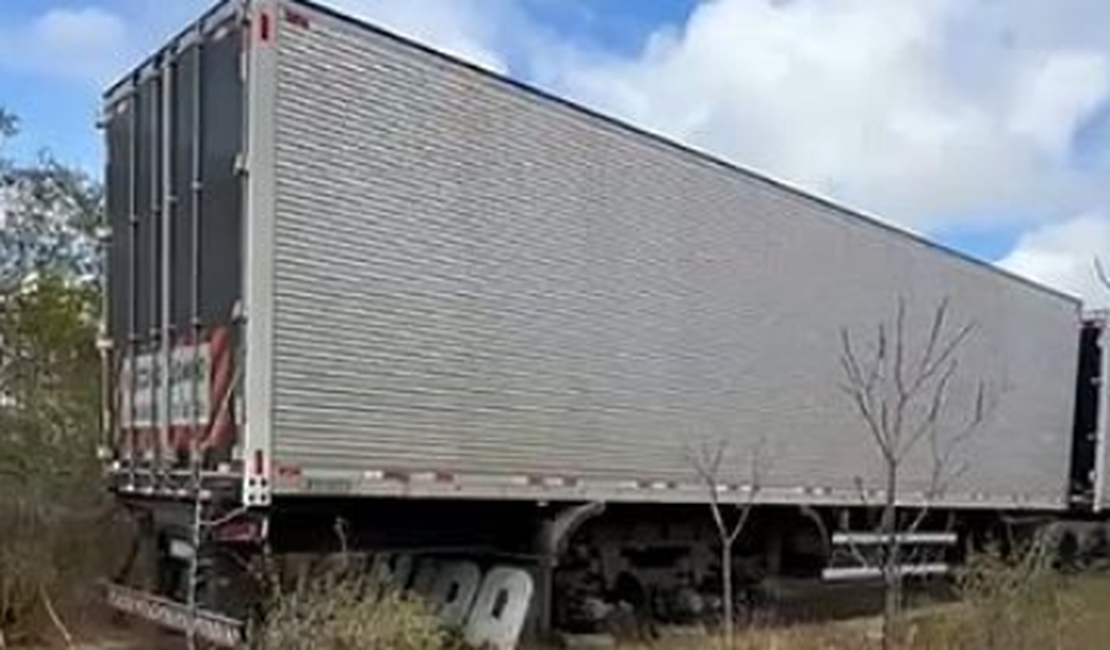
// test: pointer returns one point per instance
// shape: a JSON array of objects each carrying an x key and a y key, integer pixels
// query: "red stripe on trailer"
[
  {"x": 296, "y": 18},
  {"x": 287, "y": 471},
  {"x": 180, "y": 435},
  {"x": 239, "y": 531},
  {"x": 220, "y": 425},
  {"x": 264, "y": 27}
]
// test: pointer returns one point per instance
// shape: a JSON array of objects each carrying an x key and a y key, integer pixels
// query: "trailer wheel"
[
  {"x": 628, "y": 588},
  {"x": 1067, "y": 552}
]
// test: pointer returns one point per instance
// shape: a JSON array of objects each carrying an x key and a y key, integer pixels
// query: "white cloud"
[
  {"x": 928, "y": 113},
  {"x": 94, "y": 44},
  {"x": 88, "y": 43},
  {"x": 1062, "y": 255},
  {"x": 914, "y": 109},
  {"x": 1058, "y": 92}
]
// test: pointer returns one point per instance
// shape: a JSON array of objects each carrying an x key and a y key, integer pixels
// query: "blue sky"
[
  {"x": 57, "y": 108},
  {"x": 984, "y": 125}
]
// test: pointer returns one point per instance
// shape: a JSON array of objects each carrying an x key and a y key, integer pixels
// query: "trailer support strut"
[{"x": 550, "y": 542}]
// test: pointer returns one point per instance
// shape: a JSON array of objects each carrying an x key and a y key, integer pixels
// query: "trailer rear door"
[{"x": 175, "y": 207}]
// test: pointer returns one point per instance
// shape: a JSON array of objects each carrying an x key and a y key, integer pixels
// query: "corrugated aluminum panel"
[{"x": 471, "y": 278}]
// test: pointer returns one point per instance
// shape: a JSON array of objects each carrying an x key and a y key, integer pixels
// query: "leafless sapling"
[
  {"x": 901, "y": 389},
  {"x": 730, "y": 515}
]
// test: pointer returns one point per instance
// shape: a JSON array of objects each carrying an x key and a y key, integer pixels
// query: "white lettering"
[{"x": 142, "y": 389}]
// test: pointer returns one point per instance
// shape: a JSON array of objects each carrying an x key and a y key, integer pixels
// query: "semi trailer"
[{"x": 354, "y": 283}]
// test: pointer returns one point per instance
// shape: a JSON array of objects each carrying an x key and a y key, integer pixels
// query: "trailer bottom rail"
[{"x": 212, "y": 627}]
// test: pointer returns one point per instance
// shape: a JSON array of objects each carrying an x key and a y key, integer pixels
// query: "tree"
[
  {"x": 902, "y": 389},
  {"x": 49, "y": 215},
  {"x": 49, "y": 393},
  {"x": 708, "y": 464}
]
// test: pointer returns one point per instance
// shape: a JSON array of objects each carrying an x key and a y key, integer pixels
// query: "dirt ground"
[{"x": 1088, "y": 628}]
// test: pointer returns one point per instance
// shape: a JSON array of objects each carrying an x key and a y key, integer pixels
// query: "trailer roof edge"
[
  {"x": 700, "y": 154},
  {"x": 218, "y": 13}
]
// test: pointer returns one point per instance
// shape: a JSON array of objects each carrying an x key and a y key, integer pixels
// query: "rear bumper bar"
[{"x": 214, "y": 628}]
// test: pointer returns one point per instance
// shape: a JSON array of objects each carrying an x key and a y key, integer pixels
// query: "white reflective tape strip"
[
  {"x": 518, "y": 480},
  {"x": 907, "y": 538},
  {"x": 833, "y": 574}
]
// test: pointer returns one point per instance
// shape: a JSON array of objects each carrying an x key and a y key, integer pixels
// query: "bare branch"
[
  {"x": 707, "y": 465},
  {"x": 939, "y": 317},
  {"x": 48, "y": 605},
  {"x": 901, "y": 398},
  {"x": 860, "y": 386},
  {"x": 900, "y": 348},
  {"x": 945, "y": 354},
  {"x": 929, "y": 421}
]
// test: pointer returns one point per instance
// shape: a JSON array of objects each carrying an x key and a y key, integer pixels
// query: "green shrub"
[{"x": 54, "y": 511}]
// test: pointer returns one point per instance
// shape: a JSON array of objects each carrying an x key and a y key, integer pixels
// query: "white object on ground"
[{"x": 497, "y": 618}]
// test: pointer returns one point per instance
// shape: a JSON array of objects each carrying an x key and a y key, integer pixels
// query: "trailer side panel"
[{"x": 482, "y": 286}]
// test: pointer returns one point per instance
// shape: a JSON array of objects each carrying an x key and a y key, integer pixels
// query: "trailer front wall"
[{"x": 481, "y": 286}]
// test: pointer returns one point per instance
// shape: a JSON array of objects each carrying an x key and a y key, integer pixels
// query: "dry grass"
[
  {"x": 347, "y": 613},
  {"x": 1047, "y": 612}
]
